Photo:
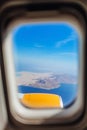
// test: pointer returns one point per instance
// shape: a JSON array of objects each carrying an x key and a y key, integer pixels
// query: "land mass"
[{"x": 44, "y": 80}]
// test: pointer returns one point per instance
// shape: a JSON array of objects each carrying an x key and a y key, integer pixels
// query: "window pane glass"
[{"x": 46, "y": 64}]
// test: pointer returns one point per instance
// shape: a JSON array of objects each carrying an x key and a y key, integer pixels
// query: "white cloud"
[
  {"x": 68, "y": 54},
  {"x": 65, "y": 41},
  {"x": 38, "y": 46}
]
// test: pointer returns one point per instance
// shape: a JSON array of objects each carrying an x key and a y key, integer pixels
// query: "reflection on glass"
[{"x": 46, "y": 64}]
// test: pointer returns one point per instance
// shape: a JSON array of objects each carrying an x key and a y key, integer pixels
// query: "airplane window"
[
  {"x": 44, "y": 68},
  {"x": 43, "y": 62},
  {"x": 46, "y": 59}
]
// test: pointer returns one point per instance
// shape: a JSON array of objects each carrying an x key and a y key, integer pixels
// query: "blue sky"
[{"x": 46, "y": 47}]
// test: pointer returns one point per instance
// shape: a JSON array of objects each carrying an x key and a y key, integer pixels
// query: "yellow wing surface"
[{"x": 41, "y": 100}]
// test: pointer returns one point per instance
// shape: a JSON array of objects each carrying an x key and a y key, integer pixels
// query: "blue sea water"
[{"x": 68, "y": 92}]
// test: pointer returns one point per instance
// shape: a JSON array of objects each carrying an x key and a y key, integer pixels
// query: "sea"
[{"x": 68, "y": 92}]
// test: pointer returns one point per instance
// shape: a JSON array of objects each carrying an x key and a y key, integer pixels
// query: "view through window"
[{"x": 46, "y": 59}]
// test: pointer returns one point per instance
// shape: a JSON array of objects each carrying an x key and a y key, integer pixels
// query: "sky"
[{"x": 46, "y": 47}]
